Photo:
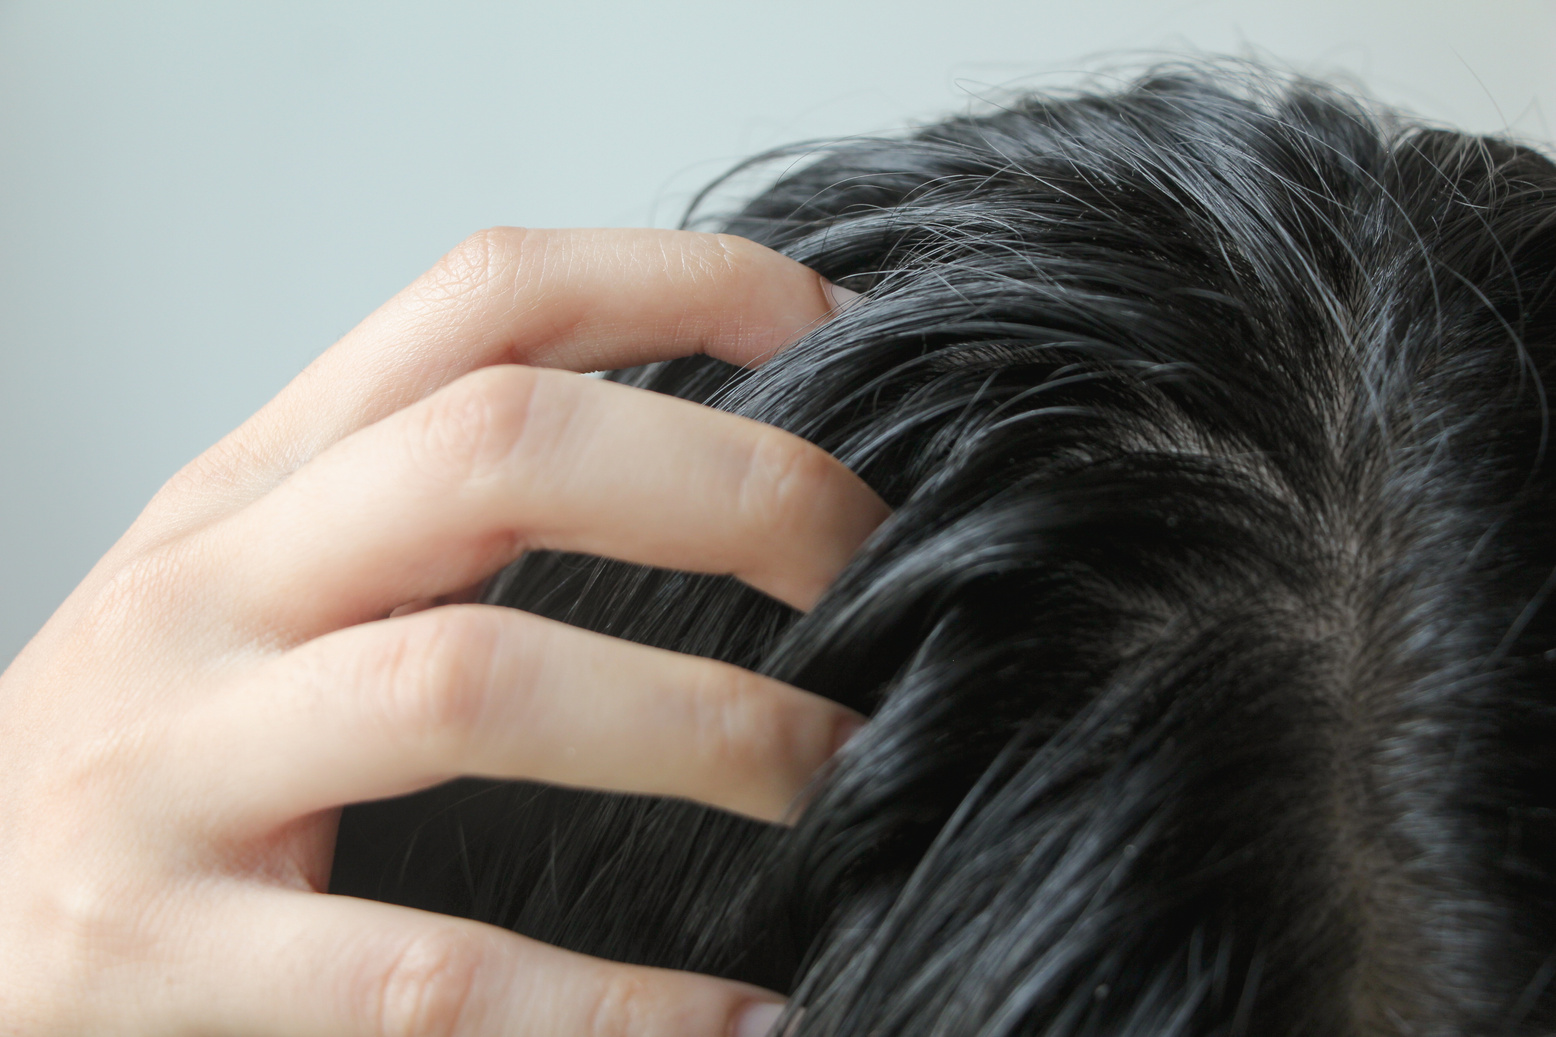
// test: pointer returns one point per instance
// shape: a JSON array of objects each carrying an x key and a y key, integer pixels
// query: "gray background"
[{"x": 195, "y": 199}]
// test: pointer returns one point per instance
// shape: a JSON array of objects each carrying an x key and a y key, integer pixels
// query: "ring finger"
[{"x": 385, "y": 708}]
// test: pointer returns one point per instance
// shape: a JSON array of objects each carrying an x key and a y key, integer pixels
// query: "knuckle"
[
  {"x": 625, "y": 1007},
  {"x": 467, "y": 429},
  {"x": 426, "y": 987},
  {"x": 83, "y": 910},
  {"x": 785, "y": 477},
  {"x": 90, "y": 779},
  {"x": 720, "y": 257},
  {"x": 218, "y": 475},
  {"x": 737, "y": 278},
  {"x": 148, "y": 587},
  {"x": 433, "y": 678},
  {"x": 480, "y": 263},
  {"x": 738, "y": 726},
  {"x": 89, "y": 926},
  {"x": 730, "y": 266}
]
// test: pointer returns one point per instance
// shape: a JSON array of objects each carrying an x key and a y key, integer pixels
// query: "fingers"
[
  {"x": 282, "y": 962},
  {"x": 385, "y": 708},
  {"x": 438, "y": 496},
  {"x": 578, "y": 299}
]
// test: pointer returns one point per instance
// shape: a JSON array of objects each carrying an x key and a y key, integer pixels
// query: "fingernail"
[
  {"x": 757, "y": 1020},
  {"x": 847, "y": 727},
  {"x": 841, "y": 297}
]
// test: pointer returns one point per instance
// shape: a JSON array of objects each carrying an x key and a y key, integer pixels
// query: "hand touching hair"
[{"x": 1207, "y": 646}]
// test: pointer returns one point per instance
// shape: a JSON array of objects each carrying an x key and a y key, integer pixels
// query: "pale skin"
[{"x": 286, "y": 629}]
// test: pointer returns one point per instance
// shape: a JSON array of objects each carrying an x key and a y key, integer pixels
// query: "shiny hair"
[{"x": 1208, "y": 648}]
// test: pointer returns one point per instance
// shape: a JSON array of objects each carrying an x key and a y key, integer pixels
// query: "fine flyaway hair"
[{"x": 1208, "y": 649}]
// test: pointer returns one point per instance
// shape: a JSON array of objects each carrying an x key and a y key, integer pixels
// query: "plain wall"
[{"x": 196, "y": 199}]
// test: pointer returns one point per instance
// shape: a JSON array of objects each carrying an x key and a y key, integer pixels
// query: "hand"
[{"x": 179, "y": 737}]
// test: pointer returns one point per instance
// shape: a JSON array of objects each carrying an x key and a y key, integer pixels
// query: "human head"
[{"x": 1206, "y": 647}]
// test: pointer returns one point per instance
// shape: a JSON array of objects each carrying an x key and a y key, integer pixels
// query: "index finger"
[{"x": 581, "y": 300}]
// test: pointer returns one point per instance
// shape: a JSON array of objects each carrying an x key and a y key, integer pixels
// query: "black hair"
[{"x": 1208, "y": 648}]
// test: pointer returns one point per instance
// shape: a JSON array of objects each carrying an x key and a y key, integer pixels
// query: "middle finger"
[{"x": 509, "y": 459}]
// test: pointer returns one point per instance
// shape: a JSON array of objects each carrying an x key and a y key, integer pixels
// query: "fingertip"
[
  {"x": 857, "y": 511},
  {"x": 756, "y": 1019},
  {"x": 840, "y": 298},
  {"x": 844, "y": 729}
]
